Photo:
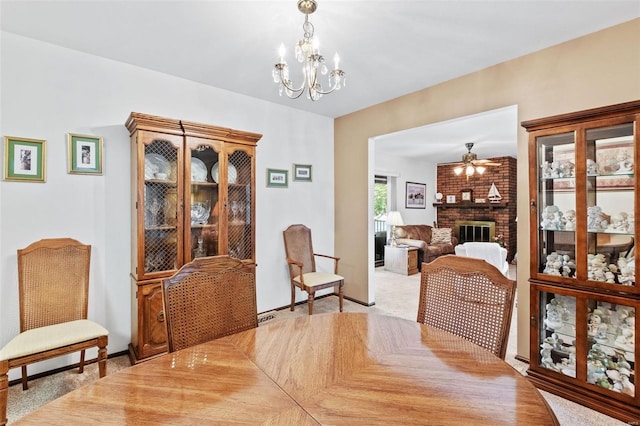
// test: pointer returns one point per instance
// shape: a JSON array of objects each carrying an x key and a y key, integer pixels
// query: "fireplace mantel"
[{"x": 485, "y": 206}]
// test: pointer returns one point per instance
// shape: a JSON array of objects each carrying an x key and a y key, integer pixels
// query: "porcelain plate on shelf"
[
  {"x": 198, "y": 170},
  {"x": 231, "y": 172},
  {"x": 155, "y": 163}
]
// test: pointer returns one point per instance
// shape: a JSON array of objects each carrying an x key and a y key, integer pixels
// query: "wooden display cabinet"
[
  {"x": 193, "y": 195},
  {"x": 584, "y": 222}
]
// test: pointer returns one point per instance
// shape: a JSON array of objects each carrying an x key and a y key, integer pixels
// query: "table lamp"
[{"x": 394, "y": 219}]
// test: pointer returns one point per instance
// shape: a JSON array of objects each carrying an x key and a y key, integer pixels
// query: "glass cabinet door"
[
  {"x": 557, "y": 333},
  {"x": 611, "y": 346},
  {"x": 240, "y": 241},
  {"x": 610, "y": 199},
  {"x": 160, "y": 206},
  {"x": 557, "y": 205},
  {"x": 202, "y": 206}
]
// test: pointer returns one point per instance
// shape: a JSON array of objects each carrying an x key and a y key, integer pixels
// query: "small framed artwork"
[
  {"x": 84, "y": 154},
  {"x": 24, "y": 159},
  {"x": 416, "y": 195},
  {"x": 302, "y": 172},
  {"x": 466, "y": 195},
  {"x": 451, "y": 199},
  {"x": 277, "y": 178}
]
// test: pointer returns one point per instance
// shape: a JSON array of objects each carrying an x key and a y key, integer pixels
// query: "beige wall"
[{"x": 595, "y": 70}]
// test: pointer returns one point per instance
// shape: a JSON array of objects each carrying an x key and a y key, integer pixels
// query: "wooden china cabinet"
[
  {"x": 193, "y": 195},
  {"x": 584, "y": 224}
]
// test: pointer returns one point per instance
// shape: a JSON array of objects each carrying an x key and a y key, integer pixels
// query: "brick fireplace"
[{"x": 503, "y": 213}]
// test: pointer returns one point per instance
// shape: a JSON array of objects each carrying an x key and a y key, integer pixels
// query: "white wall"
[
  {"x": 48, "y": 91},
  {"x": 409, "y": 170}
]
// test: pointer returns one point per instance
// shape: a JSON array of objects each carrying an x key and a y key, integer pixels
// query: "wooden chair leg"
[
  {"x": 293, "y": 297},
  {"x": 81, "y": 368},
  {"x": 310, "y": 302},
  {"x": 25, "y": 386},
  {"x": 102, "y": 355},
  {"x": 340, "y": 294},
  {"x": 4, "y": 391}
]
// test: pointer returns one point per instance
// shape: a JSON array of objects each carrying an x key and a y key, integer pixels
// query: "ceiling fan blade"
[{"x": 485, "y": 163}]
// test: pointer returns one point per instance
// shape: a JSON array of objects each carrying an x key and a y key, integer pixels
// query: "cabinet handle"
[
  {"x": 161, "y": 316},
  {"x": 532, "y": 203},
  {"x": 534, "y": 320}
]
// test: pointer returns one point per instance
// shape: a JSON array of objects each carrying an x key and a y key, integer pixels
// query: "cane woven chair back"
[
  {"x": 53, "y": 280},
  {"x": 469, "y": 298},
  {"x": 208, "y": 298},
  {"x": 301, "y": 259}
]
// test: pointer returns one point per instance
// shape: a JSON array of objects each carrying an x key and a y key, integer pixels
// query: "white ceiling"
[{"x": 387, "y": 48}]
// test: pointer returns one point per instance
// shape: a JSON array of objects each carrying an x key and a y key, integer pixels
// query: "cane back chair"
[
  {"x": 53, "y": 285},
  {"x": 208, "y": 298},
  {"x": 467, "y": 297},
  {"x": 302, "y": 266}
]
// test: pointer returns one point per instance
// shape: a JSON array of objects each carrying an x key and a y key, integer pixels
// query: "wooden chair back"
[
  {"x": 53, "y": 282},
  {"x": 469, "y": 298},
  {"x": 208, "y": 298},
  {"x": 299, "y": 247}
]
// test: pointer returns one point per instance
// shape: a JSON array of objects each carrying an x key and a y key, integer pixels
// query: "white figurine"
[
  {"x": 570, "y": 216},
  {"x": 592, "y": 167},
  {"x": 595, "y": 219},
  {"x": 551, "y": 218}
]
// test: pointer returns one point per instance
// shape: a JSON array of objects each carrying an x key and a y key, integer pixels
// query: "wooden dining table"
[{"x": 326, "y": 369}]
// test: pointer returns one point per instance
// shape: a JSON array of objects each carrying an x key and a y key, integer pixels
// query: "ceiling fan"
[{"x": 470, "y": 163}]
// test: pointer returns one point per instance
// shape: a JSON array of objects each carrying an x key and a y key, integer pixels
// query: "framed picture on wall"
[
  {"x": 277, "y": 178},
  {"x": 84, "y": 154},
  {"x": 302, "y": 172},
  {"x": 24, "y": 159},
  {"x": 416, "y": 195}
]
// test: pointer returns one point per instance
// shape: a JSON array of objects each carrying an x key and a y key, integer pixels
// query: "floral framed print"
[
  {"x": 24, "y": 159},
  {"x": 302, "y": 172},
  {"x": 84, "y": 154},
  {"x": 416, "y": 196},
  {"x": 277, "y": 178}
]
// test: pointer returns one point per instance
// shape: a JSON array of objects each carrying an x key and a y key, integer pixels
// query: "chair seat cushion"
[
  {"x": 43, "y": 339},
  {"x": 314, "y": 279}
]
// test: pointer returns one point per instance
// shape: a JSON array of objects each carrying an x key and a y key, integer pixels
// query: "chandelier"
[{"x": 307, "y": 53}]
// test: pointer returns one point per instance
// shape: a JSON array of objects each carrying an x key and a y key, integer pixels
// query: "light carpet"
[{"x": 396, "y": 295}]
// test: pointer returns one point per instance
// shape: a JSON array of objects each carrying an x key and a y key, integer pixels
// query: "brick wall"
[{"x": 503, "y": 215}]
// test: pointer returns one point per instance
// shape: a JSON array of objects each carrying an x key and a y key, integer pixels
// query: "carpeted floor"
[{"x": 396, "y": 295}]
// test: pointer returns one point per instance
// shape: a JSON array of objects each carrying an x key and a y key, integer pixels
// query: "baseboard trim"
[
  {"x": 65, "y": 368},
  {"x": 304, "y": 302}
]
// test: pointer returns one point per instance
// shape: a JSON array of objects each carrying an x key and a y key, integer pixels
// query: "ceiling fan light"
[
  {"x": 457, "y": 170},
  {"x": 480, "y": 169},
  {"x": 469, "y": 170}
]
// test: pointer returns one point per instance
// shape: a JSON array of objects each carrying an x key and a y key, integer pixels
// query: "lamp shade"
[{"x": 394, "y": 218}]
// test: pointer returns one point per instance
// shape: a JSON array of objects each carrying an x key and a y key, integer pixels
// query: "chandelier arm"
[
  {"x": 340, "y": 73},
  {"x": 292, "y": 89}
]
